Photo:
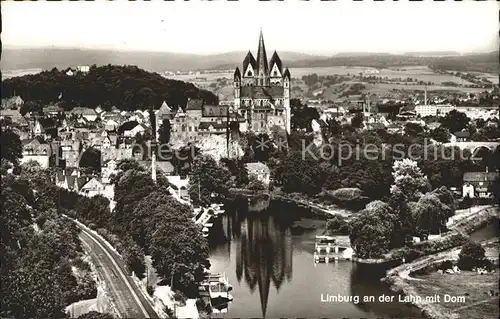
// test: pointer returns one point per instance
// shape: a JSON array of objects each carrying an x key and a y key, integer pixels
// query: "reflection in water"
[
  {"x": 263, "y": 251},
  {"x": 259, "y": 251},
  {"x": 264, "y": 254}
]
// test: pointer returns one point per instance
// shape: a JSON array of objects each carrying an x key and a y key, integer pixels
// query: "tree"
[
  {"x": 357, "y": 120},
  {"x": 94, "y": 210},
  {"x": 91, "y": 158},
  {"x": 409, "y": 180},
  {"x": 455, "y": 121},
  {"x": 255, "y": 184},
  {"x": 337, "y": 225},
  {"x": 298, "y": 174},
  {"x": 441, "y": 135},
  {"x": 471, "y": 255},
  {"x": 372, "y": 230},
  {"x": 11, "y": 146},
  {"x": 430, "y": 214},
  {"x": 164, "y": 132},
  {"x": 208, "y": 179},
  {"x": 95, "y": 315}
]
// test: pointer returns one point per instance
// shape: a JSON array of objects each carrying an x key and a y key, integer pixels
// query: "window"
[
  {"x": 275, "y": 73},
  {"x": 249, "y": 73}
]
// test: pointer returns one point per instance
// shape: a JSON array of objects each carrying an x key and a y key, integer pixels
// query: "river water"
[{"x": 268, "y": 258}]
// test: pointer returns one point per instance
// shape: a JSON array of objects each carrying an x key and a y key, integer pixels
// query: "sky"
[{"x": 198, "y": 26}]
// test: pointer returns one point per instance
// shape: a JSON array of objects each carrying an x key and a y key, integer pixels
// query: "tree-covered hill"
[{"x": 126, "y": 87}]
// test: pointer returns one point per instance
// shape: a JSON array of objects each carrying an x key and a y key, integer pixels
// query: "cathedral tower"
[{"x": 262, "y": 67}]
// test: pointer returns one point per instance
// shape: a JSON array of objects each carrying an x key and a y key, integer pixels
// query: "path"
[{"x": 127, "y": 297}]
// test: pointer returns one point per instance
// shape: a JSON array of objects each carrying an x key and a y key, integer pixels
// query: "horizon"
[{"x": 389, "y": 28}]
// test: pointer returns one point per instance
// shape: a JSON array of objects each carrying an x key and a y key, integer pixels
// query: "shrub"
[
  {"x": 169, "y": 312},
  {"x": 337, "y": 225}
]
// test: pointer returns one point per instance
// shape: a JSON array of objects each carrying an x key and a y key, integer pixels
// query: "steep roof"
[
  {"x": 164, "y": 109},
  {"x": 237, "y": 74},
  {"x": 83, "y": 111},
  {"x": 194, "y": 105},
  {"x": 262, "y": 56},
  {"x": 249, "y": 59},
  {"x": 276, "y": 59},
  {"x": 287, "y": 74}
]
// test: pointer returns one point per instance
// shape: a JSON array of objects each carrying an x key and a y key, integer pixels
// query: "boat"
[{"x": 217, "y": 287}]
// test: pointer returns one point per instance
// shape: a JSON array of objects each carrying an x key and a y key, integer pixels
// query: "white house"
[
  {"x": 260, "y": 171},
  {"x": 35, "y": 151},
  {"x": 92, "y": 188}
]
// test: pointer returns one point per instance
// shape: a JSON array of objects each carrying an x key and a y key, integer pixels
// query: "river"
[{"x": 268, "y": 258}]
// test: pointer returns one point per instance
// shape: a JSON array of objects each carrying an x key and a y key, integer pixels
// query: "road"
[{"x": 128, "y": 299}]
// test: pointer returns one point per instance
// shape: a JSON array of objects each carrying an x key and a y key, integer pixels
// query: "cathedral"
[{"x": 262, "y": 91}]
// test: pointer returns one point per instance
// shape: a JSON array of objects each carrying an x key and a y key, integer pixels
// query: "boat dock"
[
  {"x": 332, "y": 248},
  {"x": 204, "y": 215},
  {"x": 214, "y": 291}
]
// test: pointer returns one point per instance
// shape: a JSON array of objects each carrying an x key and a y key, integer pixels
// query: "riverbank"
[
  {"x": 400, "y": 278},
  {"x": 300, "y": 200},
  {"x": 461, "y": 226}
]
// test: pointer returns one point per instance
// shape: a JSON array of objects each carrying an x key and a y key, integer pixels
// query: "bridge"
[{"x": 474, "y": 146}]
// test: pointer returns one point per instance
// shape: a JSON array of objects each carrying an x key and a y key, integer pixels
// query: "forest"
[{"x": 127, "y": 87}]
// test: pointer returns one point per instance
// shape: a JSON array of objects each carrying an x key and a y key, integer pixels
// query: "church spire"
[{"x": 262, "y": 67}]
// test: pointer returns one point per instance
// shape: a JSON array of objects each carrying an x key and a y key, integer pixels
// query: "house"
[
  {"x": 70, "y": 179},
  {"x": 15, "y": 101},
  {"x": 69, "y": 72},
  {"x": 462, "y": 136},
  {"x": 85, "y": 112},
  {"x": 14, "y": 116},
  {"x": 260, "y": 171},
  {"x": 52, "y": 110},
  {"x": 477, "y": 184},
  {"x": 108, "y": 168},
  {"x": 116, "y": 154},
  {"x": 433, "y": 125},
  {"x": 33, "y": 150},
  {"x": 179, "y": 186},
  {"x": 37, "y": 129},
  {"x": 111, "y": 125},
  {"x": 424, "y": 110},
  {"x": 375, "y": 126},
  {"x": 70, "y": 152},
  {"x": 83, "y": 68},
  {"x": 92, "y": 188},
  {"x": 394, "y": 128}
]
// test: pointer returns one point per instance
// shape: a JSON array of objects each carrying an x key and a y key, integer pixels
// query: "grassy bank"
[
  {"x": 457, "y": 235},
  {"x": 477, "y": 304}
]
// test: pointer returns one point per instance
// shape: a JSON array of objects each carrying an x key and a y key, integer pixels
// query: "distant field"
[{"x": 421, "y": 73}]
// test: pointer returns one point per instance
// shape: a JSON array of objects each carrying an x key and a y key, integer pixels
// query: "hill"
[
  {"x": 126, "y": 87},
  {"x": 47, "y": 58}
]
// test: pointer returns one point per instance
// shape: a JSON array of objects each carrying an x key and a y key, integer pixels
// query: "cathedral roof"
[
  {"x": 257, "y": 92},
  {"x": 262, "y": 56},
  {"x": 249, "y": 59},
  {"x": 237, "y": 74},
  {"x": 276, "y": 59}
]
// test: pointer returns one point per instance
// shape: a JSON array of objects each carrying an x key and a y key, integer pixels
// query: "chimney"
[{"x": 425, "y": 95}]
